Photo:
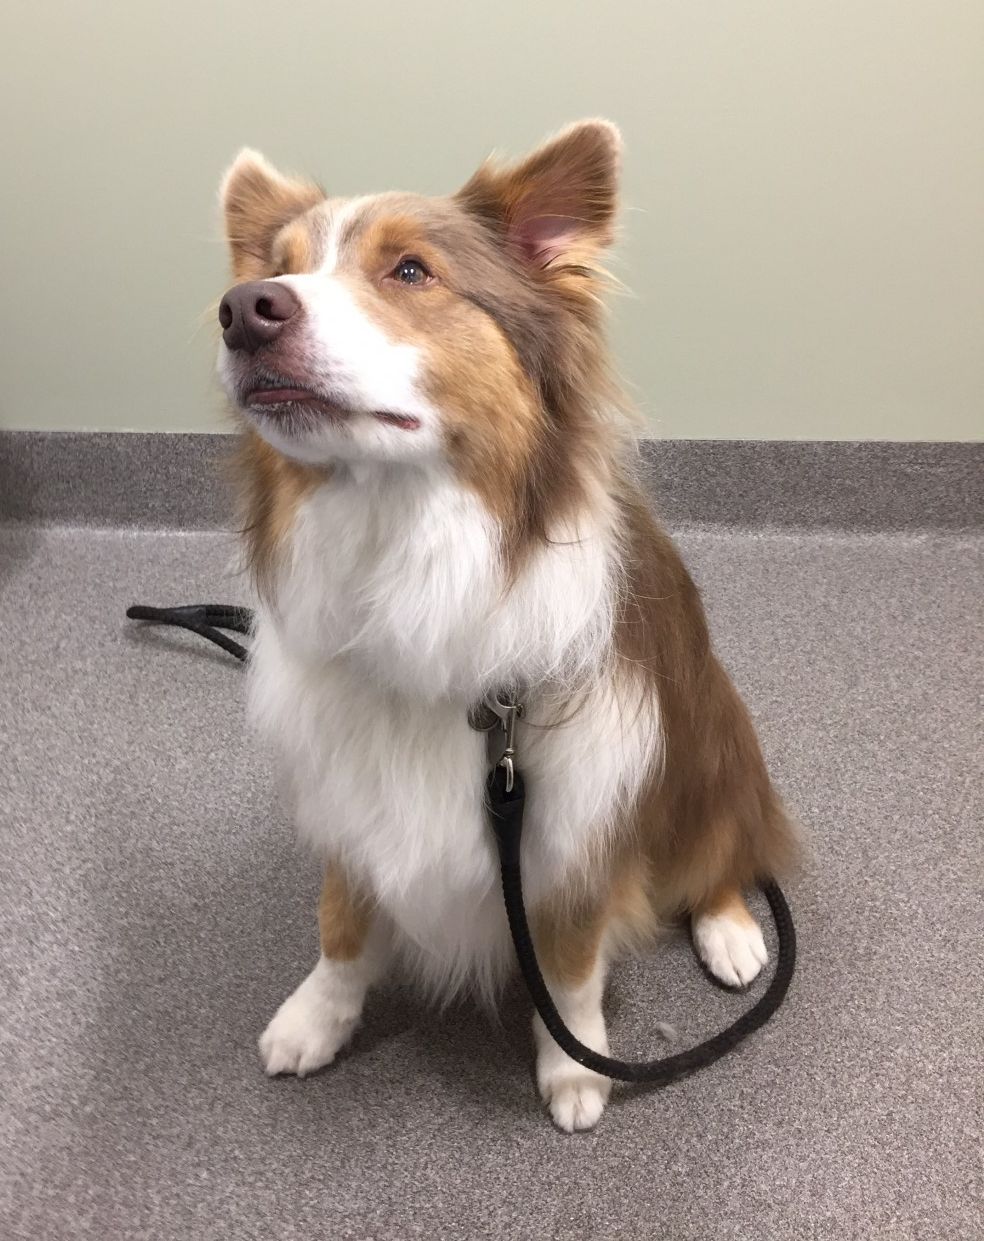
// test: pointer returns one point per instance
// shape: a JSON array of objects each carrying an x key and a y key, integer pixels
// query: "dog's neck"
[{"x": 402, "y": 571}]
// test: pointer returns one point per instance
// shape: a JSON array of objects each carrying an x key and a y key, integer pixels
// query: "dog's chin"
[
  {"x": 316, "y": 431},
  {"x": 294, "y": 415}
]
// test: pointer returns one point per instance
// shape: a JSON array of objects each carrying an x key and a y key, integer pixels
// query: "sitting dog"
[{"x": 440, "y": 507}]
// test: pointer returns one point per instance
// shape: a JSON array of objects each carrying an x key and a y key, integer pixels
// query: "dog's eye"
[{"x": 411, "y": 271}]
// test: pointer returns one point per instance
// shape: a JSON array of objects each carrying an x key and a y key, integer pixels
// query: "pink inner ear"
[{"x": 543, "y": 238}]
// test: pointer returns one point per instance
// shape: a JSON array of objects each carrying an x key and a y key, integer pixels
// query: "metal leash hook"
[{"x": 507, "y": 714}]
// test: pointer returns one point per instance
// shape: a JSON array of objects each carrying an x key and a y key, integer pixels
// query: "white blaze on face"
[
  {"x": 336, "y": 220},
  {"x": 351, "y": 354}
]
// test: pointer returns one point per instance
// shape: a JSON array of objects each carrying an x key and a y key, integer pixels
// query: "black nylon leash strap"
[
  {"x": 506, "y": 801},
  {"x": 205, "y": 619},
  {"x": 506, "y": 817}
]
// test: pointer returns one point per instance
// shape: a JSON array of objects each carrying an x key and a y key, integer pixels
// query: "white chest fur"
[{"x": 391, "y": 620}]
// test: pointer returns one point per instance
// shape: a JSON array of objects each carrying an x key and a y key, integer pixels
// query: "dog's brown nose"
[{"x": 254, "y": 314}]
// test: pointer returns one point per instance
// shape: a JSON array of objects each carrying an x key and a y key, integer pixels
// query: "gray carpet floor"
[{"x": 154, "y": 910}]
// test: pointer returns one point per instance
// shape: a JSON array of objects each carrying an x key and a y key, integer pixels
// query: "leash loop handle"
[{"x": 205, "y": 619}]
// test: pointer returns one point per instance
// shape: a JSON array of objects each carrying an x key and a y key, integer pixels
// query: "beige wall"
[{"x": 804, "y": 185}]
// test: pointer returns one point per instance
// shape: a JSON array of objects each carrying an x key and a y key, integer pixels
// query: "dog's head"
[{"x": 397, "y": 328}]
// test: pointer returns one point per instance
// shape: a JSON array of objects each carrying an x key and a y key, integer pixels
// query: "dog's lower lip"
[
  {"x": 279, "y": 396},
  {"x": 406, "y": 422},
  {"x": 304, "y": 396}
]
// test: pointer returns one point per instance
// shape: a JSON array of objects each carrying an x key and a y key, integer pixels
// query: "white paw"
[
  {"x": 310, "y": 1027},
  {"x": 576, "y": 1098},
  {"x": 732, "y": 949}
]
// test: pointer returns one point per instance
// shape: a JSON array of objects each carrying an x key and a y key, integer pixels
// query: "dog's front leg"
[
  {"x": 570, "y": 948},
  {"x": 317, "y": 1020}
]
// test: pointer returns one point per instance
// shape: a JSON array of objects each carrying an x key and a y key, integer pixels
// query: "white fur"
[
  {"x": 351, "y": 358},
  {"x": 392, "y": 619},
  {"x": 338, "y": 216},
  {"x": 734, "y": 951},
  {"x": 319, "y": 1017},
  {"x": 575, "y": 1095}
]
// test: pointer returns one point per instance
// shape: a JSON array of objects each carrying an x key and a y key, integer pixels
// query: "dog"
[{"x": 439, "y": 506}]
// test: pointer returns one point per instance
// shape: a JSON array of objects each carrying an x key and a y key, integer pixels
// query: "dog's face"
[{"x": 399, "y": 328}]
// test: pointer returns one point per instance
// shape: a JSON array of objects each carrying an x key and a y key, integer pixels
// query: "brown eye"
[{"x": 411, "y": 271}]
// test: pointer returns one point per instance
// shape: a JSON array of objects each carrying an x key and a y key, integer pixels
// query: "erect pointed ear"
[
  {"x": 257, "y": 201},
  {"x": 558, "y": 201}
]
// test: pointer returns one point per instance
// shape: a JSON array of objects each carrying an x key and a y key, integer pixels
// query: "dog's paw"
[
  {"x": 308, "y": 1029},
  {"x": 575, "y": 1097},
  {"x": 732, "y": 948}
]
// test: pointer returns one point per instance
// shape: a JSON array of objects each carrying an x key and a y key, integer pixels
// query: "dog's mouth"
[
  {"x": 283, "y": 396},
  {"x": 284, "y": 399}
]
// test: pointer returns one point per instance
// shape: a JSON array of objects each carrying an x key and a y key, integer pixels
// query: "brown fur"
[
  {"x": 569, "y": 182},
  {"x": 258, "y": 202},
  {"x": 271, "y": 489},
  {"x": 515, "y": 352},
  {"x": 295, "y": 248},
  {"x": 568, "y": 936},
  {"x": 573, "y": 926},
  {"x": 710, "y": 821},
  {"x": 344, "y": 915},
  {"x": 728, "y": 902},
  {"x": 489, "y": 406}
]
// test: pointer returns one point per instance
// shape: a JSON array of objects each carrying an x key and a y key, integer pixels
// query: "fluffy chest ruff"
[{"x": 392, "y": 615}]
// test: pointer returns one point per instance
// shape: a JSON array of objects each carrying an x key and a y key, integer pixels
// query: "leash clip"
[{"x": 507, "y": 713}]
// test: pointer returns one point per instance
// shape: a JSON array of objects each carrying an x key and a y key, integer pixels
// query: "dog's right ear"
[
  {"x": 257, "y": 201},
  {"x": 556, "y": 206}
]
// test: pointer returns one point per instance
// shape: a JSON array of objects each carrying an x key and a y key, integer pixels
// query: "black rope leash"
[
  {"x": 506, "y": 802},
  {"x": 506, "y": 814}
]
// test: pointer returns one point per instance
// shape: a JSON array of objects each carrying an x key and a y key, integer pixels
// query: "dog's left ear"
[
  {"x": 557, "y": 202},
  {"x": 257, "y": 201}
]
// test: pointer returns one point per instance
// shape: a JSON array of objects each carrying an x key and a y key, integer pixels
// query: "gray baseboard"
[
  {"x": 179, "y": 481},
  {"x": 818, "y": 484},
  {"x": 105, "y": 478}
]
